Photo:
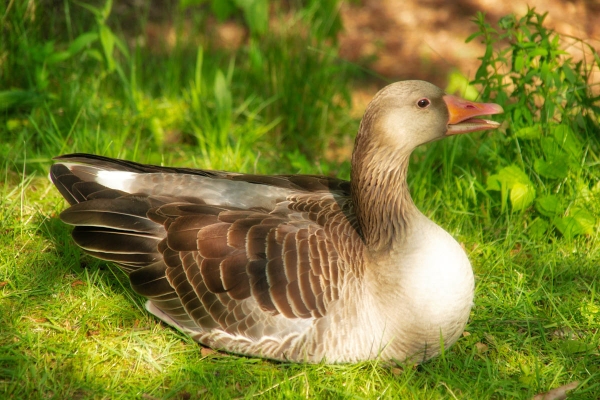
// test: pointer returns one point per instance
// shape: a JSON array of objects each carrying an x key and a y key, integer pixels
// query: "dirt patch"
[{"x": 425, "y": 39}]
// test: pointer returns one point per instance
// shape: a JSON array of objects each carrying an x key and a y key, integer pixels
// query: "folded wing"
[{"x": 268, "y": 264}]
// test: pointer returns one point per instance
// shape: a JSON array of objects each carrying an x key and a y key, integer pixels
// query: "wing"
[{"x": 264, "y": 270}]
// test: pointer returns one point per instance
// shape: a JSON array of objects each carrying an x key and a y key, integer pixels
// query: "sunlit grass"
[{"x": 70, "y": 326}]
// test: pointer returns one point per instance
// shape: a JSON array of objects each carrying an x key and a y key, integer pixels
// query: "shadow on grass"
[{"x": 70, "y": 322}]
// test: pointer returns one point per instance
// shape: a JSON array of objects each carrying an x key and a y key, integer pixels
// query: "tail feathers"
[
  {"x": 124, "y": 213},
  {"x": 94, "y": 190},
  {"x": 109, "y": 224},
  {"x": 129, "y": 249},
  {"x": 113, "y": 225},
  {"x": 64, "y": 181},
  {"x": 75, "y": 189},
  {"x": 128, "y": 262}
]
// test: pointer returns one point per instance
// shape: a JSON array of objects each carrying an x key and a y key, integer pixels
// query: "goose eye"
[{"x": 423, "y": 103}]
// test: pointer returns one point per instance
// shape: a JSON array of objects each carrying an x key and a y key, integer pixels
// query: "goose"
[{"x": 299, "y": 268}]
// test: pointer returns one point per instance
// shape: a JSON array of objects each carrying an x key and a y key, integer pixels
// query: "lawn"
[{"x": 154, "y": 85}]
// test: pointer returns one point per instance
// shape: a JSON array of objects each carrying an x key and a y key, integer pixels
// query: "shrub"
[{"x": 552, "y": 112}]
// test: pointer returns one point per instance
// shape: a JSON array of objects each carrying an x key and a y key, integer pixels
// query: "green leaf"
[
  {"x": 538, "y": 228},
  {"x": 58, "y": 57},
  {"x": 519, "y": 62},
  {"x": 18, "y": 98},
  {"x": 557, "y": 168},
  {"x": 82, "y": 41},
  {"x": 571, "y": 346},
  {"x": 512, "y": 179},
  {"x": 584, "y": 218},
  {"x": 473, "y": 36},
  {"x": 95, "y": 54},
  {"x": 521, "y": 196},
  {"x": 567, "y": 226},
  {"x": 459, "y": 83},
  {"x": 107, "y": 39},
  {"x": 494, "y": 183},
  {"x": 507, "y": 21},
  {"x": 75, "y": 47},
  {"x": 550, "y": 147},
  {"x": 568, "y": 142},
  {"x": 548, "y": 206},
  {"x": 256, "y": 14},
  {"x": 562, "y": 151},
  {"x": 222, "y": 95},
  {"x": 511, "y": 175},
  {"x": 537, "y": 52},
  {"x": 106, "y": 10},
  {"x": 530, "y": 132},
  {"x": 569, "y": 74},
  {"x": 578, "y": 222},
  {"x": 256, "y": 57}
]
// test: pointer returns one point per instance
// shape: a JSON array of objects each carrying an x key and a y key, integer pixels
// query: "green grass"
[{"x": 70, "y": 326}]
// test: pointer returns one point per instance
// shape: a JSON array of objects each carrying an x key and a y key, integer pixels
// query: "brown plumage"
[{"x": 289, "y": 267}]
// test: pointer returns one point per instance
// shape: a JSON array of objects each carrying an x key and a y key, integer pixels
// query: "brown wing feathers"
[{"x": 200, "y": 264}]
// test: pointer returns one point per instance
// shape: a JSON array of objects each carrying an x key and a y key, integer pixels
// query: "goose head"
[
  {"x": 407, "y": 114},
  {"x": 401, "y": 117}
]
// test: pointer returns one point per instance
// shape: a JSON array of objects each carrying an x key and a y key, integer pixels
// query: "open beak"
[{"x": 462, "y": 115}]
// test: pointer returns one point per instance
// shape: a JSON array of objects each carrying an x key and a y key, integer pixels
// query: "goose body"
[{"x": 290, "y": 267}]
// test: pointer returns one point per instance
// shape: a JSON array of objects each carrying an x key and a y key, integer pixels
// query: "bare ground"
[{"x": 425, "y": 39}]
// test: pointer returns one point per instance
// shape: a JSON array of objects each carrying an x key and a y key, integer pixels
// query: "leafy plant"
[
  {"x": 255, "y": 12},
  {"x": 323, "y": 14},
  {"x": 107, "y": 38},
  {"x": 513, "y": 180},
  {"x": 552, "y": 119},
  {"x": 35, "y": 59},
  {"x": 219, "y": 125}
]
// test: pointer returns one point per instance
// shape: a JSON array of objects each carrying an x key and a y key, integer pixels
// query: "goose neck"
[{"x": 383, "y": 206}]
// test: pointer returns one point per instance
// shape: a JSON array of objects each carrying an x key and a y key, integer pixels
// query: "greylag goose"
[{"x": 290, "y": 267}]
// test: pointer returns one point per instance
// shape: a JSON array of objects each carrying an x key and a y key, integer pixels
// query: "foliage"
[
  {"x": 552, "y": 113},
  {"x": 512, "y": 179},
  {"x": 261, "y": 73},
  {"x": 90, "y": 79},
  {"x": 325, "y": 22},
  {"x": 256, "y": 12}
]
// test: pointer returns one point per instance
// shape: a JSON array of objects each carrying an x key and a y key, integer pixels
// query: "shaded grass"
[{"x": 72, "y": 328}]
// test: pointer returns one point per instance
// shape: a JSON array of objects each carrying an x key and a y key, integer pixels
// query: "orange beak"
[{"x": 463, "y": 112}]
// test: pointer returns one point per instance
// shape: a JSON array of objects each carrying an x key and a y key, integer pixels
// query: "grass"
[{"x": 72, "y": 328}]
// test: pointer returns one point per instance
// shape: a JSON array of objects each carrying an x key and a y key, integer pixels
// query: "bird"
[{"x": 295, "y": 268}]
